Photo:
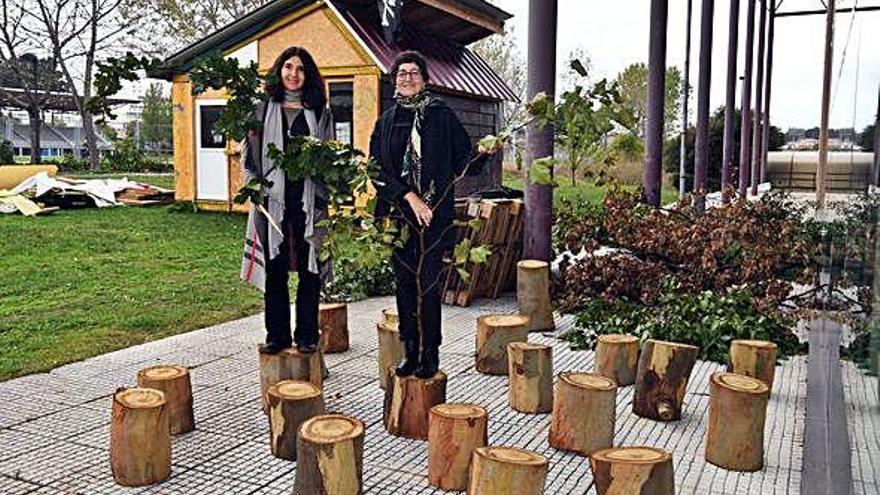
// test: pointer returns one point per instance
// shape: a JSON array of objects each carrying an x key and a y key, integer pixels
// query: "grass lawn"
[
  {"x": 587, "y": 191},
  {"x": 79, "y": 283}
]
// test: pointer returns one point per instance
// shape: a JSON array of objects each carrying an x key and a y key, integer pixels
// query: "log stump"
[
  {"x": 291, "y": 403},
  {"x": 633, "y": 471},
  {"x": 333, "y": 324},
  {"x": 754, "y": 358},
  {"x": 454, "y": 431},
  {"x": 533, "y": 294},
  {"x": 507, "y": 470},
  {"x": 530, "y": 387},
  {"x": 617, "y": 357},
  {"x": 174, "y": 382},
  {"x": 737, "y": 410},
  {"x": 330, "y": 451},
  {"x": 408, "y": 401},
  {"x": 583, "y": 413},
  {"x": 494, "y": 332},
  {"x": 290, "y": 364},
  {"x": 390, "y": 348},
  {"x": 661, "y": 380},
  {"x": 140, "y": 437},
  {"x": 390, "y": 317}
]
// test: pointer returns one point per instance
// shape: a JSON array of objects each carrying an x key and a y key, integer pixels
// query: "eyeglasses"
[{"x": 413, "y": 74}]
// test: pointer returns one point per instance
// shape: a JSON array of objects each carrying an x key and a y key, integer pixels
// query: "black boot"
[
  {"x": 410, "y": 359},
  {"x": 430, "y": 363}
]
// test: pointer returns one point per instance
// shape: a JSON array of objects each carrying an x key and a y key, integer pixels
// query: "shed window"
[{"x": 341, "y": 106}]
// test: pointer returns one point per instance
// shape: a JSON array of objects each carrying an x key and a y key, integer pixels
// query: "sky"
[{"x": 615, "y": 34}]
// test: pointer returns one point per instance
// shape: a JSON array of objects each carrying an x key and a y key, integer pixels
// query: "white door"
[{"x": 212, "y": 171}]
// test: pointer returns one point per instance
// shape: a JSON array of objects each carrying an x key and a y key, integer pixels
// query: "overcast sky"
[{"x": 615, "y": 34}]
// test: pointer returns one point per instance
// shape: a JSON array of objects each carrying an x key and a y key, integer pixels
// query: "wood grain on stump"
[
  {"x": 507, "y": 470},
  {"x": 533, "y": 294},
  {"x": 390, "y": 349},
  {"x": 633, "y": 471},
  {"x": 583, "y": 413},
  {"x": 333, "y": 322},
  {"x": 454, "y": 431},
  {"x": 617, "y": 357},
  {"x": 530, "y": 386},
  {"x": 140, "y": 437},
  {"x": 737, "y": 410},
  {"x": 662, "y": 378},
  {"x": 390, "y": 317},
  {"x": 291, "y": 403},
  {"x": 494, "y": 332},
  {"x": 174, "y": 382},
  {"x": 754, "y": 358},
  {"x": 408, "y": 402},
  {"x": 330, "y": 451},
  {"x": 290, "y": 364}
]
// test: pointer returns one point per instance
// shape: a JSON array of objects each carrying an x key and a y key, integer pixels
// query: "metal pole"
[
  {"x": 701, "y": 157},
  {"x": 541, "y": 77},
  {"x": 730, "y": 101},
  {"x": 656, "y": 92},
  {"x": 758, "y": 148},
  {"x": 767, "y": 83},
  {"x": 685, "y": 91},
  {"x": 746, "y": 124},
  {"x": 877, "y": 144},
  {"x": 826, "y": 104}
]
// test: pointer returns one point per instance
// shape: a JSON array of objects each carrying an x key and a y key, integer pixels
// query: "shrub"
[{"x": 6, "y": 155}]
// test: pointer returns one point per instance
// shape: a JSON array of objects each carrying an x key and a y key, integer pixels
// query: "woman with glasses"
[
  {"x": 295, "y": 105},
  {"x": 422, "y": 150}
]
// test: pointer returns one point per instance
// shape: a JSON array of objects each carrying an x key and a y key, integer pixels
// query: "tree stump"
[
  {"x": 633, "y": 471},
  {"x": 330, "y": 451},
  {"x": 333, "y": 322},
  {"x": 454, "y": 431},
  {"x": 583, "y": 413},
  {"x": 291, "y": 403},
  {"x": 408, "y": 401},
  {"x": 737, "y": 410},
  {"x": 390, "y": 317},
  {"x": 661, "y": 380},
  {"x": 617, "y": 357},
  {"x": 507, "y": 470},
  {"x": 390, "y": 349},
  {"x": 174, "y": 382},
  {"x": 290, "y": 364},
  {"x": 533, "y": 294},
  {"x": 530, "y": 388},
  {"x": 140, "y": 437},
  {"x": 754, "y": 358},
  {"x": 494, "y": 332}
]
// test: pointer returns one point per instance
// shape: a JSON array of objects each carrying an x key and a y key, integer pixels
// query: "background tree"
[
  {"x": 633, "y": 85},
  {"x": 174, "y": 24},
  {"x": 156, "y": 126},
  {"x": 866, "y": 138}
]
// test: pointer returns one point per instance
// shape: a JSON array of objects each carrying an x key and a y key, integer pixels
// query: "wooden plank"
[{"x": 183, "y": 120}]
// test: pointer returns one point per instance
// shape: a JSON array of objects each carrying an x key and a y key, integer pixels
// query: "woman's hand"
[{"x": 421, "y": 210}]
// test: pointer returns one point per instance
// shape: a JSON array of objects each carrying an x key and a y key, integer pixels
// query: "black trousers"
[
  {"x": 308, "y": 291},
  {"x": 404, "y": 263}
]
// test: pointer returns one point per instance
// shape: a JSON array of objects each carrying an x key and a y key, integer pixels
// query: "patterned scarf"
[{"x": 412, "y": 157}]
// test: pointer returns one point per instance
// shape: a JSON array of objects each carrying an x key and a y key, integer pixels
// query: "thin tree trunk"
[{"x": 36, "y": 125}]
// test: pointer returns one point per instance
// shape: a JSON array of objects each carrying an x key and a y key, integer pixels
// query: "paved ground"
[{"x": 54, "y": 426}]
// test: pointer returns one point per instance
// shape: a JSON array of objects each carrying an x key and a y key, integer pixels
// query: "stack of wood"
[
  {"x": 500, "y": 228},
  {"x": 145, "y": 195}
]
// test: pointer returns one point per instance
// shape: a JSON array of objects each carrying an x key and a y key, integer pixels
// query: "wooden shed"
[{"x": 346, "y": 39}]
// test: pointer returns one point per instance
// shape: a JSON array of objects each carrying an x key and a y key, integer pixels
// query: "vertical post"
[
  {"x": 746, "y": 124},
  {"x": 541, "y": 77},
  {"x": 656, "y": 93},
  {"x": 826, "y": 103},
  {"x": 685, "y": 92},
  {"x": 768, "y": 79},
  {"x": 701, "y": 157},
  {"x": 877, "y": 143},
  {"x": 730, "y": 101},
  {"x": 758, "y": 148}
]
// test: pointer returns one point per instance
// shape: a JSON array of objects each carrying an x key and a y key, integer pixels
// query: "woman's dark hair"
[
  {"x": 410, "y": 57},
  {"x": 313, "y": 95}
]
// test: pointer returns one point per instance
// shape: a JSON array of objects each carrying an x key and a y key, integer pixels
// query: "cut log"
[
  {"x": 583, "y": 413},
  {"x": 633, "y": 471},
  {"x": 140, "y": 438},
  {"x": 330, "y": 452},
  {"x": 754, "y": 358},
  {"x": 290, "y": 364},
  {"x": 617, "y": 357},
  {"x": 291, "y": 403},
  {"x": 533, "y": 294},
  {"x": 174, "y": 382},
  {"x": 507, "y": 470},
  {"x": 530, "y": 388},
  {"x": 737, "y": 410},
  {"x": 390, "y": 349},
  {"x": 333, "y": 322},
  {"x": 390, "y": 317},
  {"x": 494, "y": 332},
  {"x": 454, "y": 431},
  {"x": 408, "y": 401},
  {"x": 662, "y": 378}
]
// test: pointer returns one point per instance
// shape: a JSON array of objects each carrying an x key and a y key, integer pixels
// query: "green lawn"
[
  {"x": 79, "y": 283},
  {"x": 586, "y": 191}
]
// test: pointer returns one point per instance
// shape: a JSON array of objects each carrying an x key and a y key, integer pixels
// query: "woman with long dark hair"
[
  {"x": 422, "y": 149},
  {"x": 295, "y": 105}
]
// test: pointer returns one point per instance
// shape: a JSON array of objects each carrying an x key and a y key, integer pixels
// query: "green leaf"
[
  {"x": 541, "y": 171},
  {"x": 480, "y": 254}
]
